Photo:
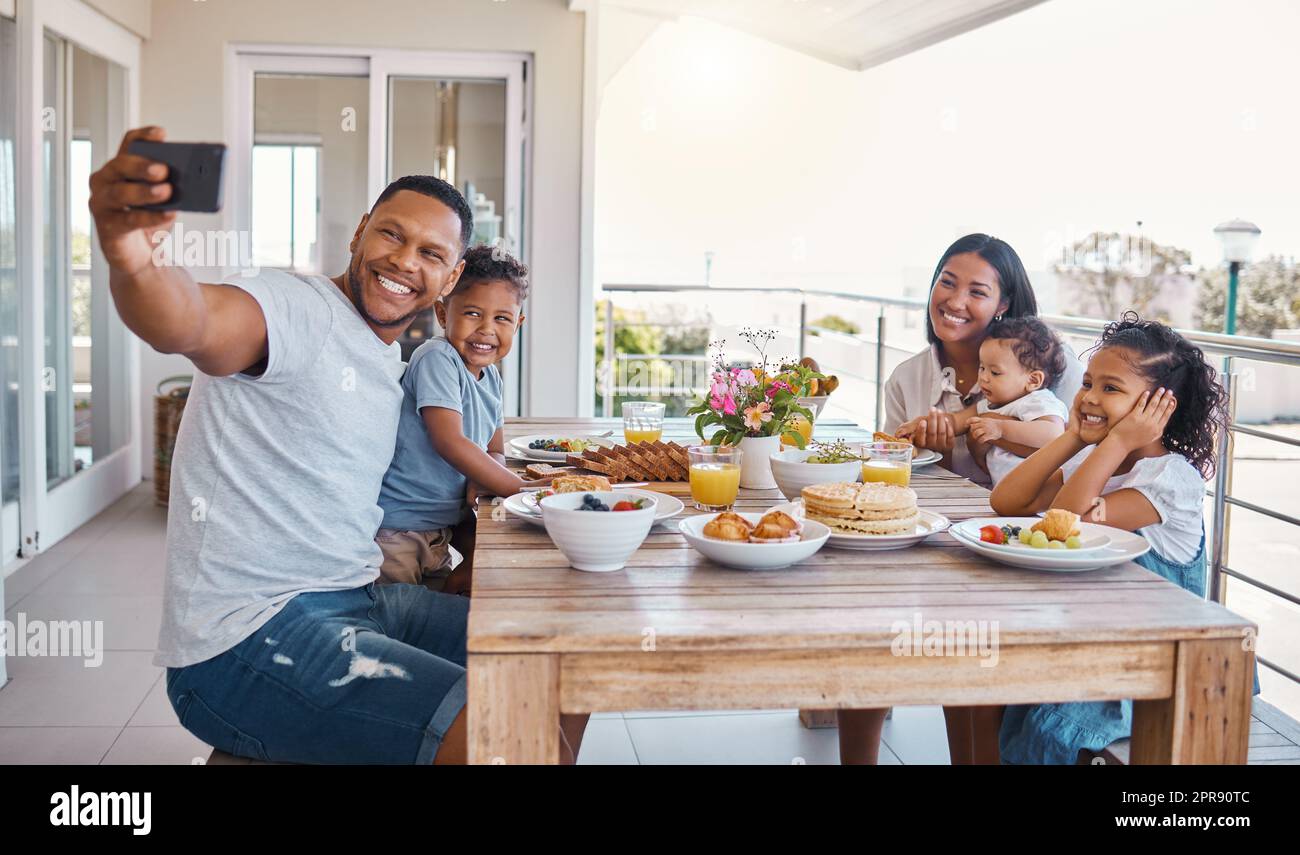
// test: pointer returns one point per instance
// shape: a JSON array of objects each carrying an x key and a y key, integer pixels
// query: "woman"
[{"x": 979, "y": 278}]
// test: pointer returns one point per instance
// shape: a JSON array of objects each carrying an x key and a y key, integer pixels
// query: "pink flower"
[
  {"x": 745, "y": 378},
  {"x": 729, "y": 406},
  {"x": 776, "y": 387},
  {"x": 757, "y": 415}
]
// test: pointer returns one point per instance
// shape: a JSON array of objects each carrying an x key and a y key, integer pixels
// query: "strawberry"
[
  {"x": 992, "y": 534},
  {"x": 627, "y": 506}
]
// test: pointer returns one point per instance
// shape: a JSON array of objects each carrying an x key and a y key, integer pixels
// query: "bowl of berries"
[{"x": 598, "y": 531}]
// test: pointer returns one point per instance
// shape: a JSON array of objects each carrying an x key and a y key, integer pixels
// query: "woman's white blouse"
[{"x": 922, "y": 382}]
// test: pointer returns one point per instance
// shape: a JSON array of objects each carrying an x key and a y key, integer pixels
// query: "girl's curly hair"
[{"x": 1165, "y": 358}]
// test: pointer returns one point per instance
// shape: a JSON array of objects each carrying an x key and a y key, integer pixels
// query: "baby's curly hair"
[
  {"x": 1165, "y": 358},
  {"x": 486, "y": 263},
  {"x": 1034, "y": 344}
]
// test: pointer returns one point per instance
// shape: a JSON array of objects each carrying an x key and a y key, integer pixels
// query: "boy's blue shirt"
[{"x": 421, "y": 490}]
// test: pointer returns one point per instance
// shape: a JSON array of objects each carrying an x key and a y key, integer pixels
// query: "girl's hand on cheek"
[
  {"x": 1075, "y": 424},
  {"x": 1146, "y": 422}
]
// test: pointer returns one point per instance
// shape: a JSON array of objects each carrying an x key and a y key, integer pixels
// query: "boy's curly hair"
[
  {"x": 486, "y": 263},
  {"x": 1165, "y": 358},
  {"x": 1034, "y": 344}
]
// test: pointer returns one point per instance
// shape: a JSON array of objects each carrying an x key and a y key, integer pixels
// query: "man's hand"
[
  {"x": 221, "y": 328},
  {"x": 126, "y": 235}
]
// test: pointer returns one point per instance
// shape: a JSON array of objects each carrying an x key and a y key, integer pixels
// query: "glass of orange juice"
[
  {"x": 715, "y": 476},
  {"x": 643, "y": 421},
  {"x": 887, "y": 463}
]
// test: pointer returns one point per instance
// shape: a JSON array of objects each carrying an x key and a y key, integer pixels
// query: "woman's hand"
[
  {"x": 935, "y": 430},
  {"x": 984, "y": 431},
  {"x": 1146, "y": 422}
]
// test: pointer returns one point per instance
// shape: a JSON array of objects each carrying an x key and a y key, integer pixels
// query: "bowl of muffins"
[{"x": 767, "y": 541}]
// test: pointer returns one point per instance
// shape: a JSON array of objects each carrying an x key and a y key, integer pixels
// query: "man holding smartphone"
[{"x": 277, "y": 643}]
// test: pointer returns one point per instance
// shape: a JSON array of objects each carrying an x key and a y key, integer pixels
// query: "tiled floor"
[{"x": 56, "y": 710}]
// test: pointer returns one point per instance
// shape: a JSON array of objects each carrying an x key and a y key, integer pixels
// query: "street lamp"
[{"x": 1238, "y": 238}]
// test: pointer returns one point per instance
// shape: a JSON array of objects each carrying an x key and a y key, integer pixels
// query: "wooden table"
[{"x": 674, "y": 631}]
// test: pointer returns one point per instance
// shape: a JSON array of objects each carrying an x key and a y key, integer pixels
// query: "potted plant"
[{"x": 753, "y": 406}]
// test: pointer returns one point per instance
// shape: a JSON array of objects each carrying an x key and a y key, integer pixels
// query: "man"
[{"x": 277, "y": 643}]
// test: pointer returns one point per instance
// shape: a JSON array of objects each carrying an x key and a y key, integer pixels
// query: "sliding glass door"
[
  {"x": 10, "y": 376},
  {"x": 317, "y": 136},
  {"x": 68, "y": 408}
]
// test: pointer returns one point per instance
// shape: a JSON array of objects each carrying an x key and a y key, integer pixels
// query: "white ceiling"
[{"x": 855, "y": 34}]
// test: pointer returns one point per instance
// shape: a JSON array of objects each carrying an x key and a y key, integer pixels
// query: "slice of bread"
[{"x": 544, "y": 470}]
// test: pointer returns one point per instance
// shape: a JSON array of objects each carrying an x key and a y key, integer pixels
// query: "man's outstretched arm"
[{"x": 219, "y": 327}]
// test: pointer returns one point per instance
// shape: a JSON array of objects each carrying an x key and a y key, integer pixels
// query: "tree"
[
  {"x": 835, "y": 323},
  {"x": 1268, "y": 297},
  {"x": 1110, "y": 273}
]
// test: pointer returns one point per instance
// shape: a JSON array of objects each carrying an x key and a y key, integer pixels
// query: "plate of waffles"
[{"x": 867, "y": 516}]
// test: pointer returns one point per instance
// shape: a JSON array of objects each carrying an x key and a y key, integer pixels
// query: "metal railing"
[{"x": 1229, "y": 347}]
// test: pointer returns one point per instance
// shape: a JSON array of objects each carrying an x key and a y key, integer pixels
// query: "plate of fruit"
[
  {"x": 545, "y": 448},
  {"x": 1058, "y": 542}
]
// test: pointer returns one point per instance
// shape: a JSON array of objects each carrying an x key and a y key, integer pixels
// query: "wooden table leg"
[
  {"x": 1207, "y": 718},
  {"x": 514, "y": 708}
]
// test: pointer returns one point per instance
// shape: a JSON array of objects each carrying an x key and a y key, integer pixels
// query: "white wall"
[{"x": 182, "y": 89}]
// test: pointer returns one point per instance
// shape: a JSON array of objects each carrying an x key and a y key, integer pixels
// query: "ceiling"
[{"x": 855, "y": 34}]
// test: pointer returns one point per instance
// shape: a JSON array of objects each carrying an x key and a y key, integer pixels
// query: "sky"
[{"x": 1069, "y": 117}]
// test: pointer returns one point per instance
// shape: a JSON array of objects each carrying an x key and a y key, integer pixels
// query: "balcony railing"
[{"x": 1230, "y": 348}]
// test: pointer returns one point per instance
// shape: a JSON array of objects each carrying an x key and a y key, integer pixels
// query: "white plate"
[
  {"x": 928, "y": 523},
  {"x": 1091, "y": 539},
  {"x": 1124, "y": 546},
  {"x": 926, "y": 457},
  {"x": 524, "y": 505},
  {"x": 520, "y": 449},
  {"x": 753, "y": 556}
]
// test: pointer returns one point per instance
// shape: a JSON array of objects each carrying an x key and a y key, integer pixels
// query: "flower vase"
[{"x": 756, "y": 463}]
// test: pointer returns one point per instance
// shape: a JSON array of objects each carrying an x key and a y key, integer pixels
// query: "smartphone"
[{"x": 193, "y": 170}]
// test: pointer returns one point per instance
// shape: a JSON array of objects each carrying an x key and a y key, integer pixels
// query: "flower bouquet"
[{"x": 761, "y": 401}]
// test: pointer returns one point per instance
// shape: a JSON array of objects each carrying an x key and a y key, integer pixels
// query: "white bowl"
[
  {"x": 597, "y": 541},
  {"x": 792, "y": 474},
  {"x": 753, "y": 556}
]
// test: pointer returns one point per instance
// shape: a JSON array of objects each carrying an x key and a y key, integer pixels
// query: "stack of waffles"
[
  {"x": 862, "y": 508},
  {"x": 638, "y": 461}
]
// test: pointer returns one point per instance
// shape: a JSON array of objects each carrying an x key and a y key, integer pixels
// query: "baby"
[{"x": 1017, "y": 415}]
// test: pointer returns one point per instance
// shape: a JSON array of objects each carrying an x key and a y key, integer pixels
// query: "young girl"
[{"x": 1135, "y": 455}]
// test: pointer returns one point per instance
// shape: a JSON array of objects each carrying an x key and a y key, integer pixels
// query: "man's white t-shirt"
[{"x": 275, "y": 478}]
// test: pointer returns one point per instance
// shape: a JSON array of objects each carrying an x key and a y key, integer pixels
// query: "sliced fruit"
[{"x": 991, "y": 534}]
